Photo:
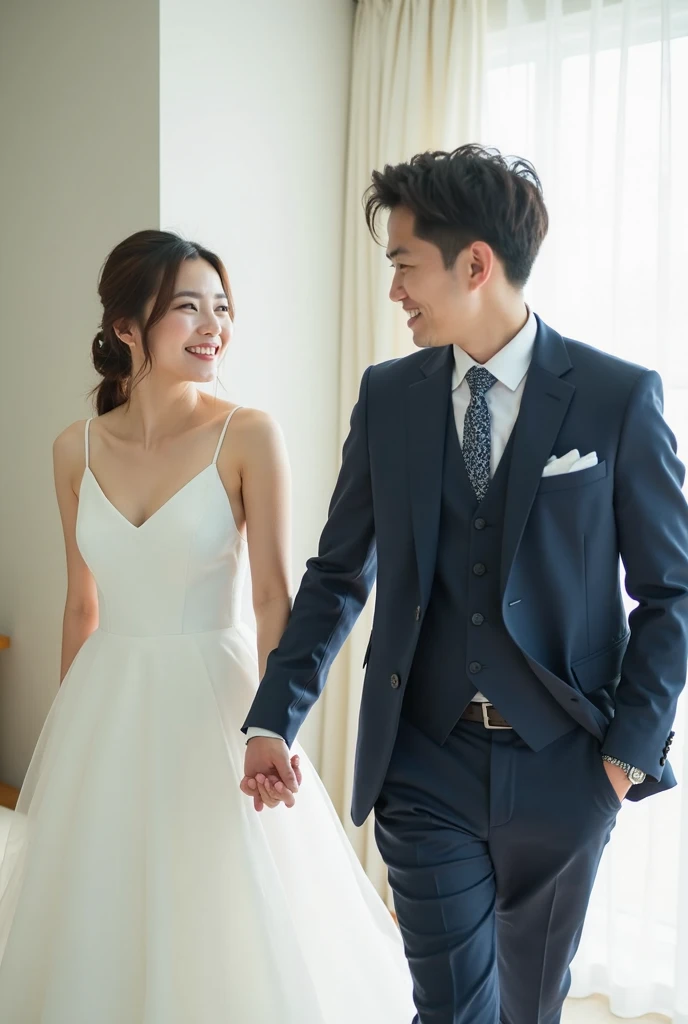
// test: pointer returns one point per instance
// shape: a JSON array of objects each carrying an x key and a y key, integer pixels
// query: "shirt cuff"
[{"x": 254, "y": 732}]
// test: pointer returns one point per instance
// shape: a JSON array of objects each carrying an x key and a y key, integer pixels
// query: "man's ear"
[{"x": 481, "y": 261}]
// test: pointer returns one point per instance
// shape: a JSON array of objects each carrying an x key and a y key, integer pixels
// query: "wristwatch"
[{"x": 635, "y": 775}]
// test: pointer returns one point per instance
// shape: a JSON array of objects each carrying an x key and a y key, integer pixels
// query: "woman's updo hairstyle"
[{"x": 142, "y": 266}]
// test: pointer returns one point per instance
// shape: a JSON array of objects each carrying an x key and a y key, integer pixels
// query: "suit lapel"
[
  {"x": 428, "y": 407},
  {"x": 545, "y": 402}
]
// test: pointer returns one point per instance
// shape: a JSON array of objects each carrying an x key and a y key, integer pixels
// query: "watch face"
[{"x": 636, "y": 776}]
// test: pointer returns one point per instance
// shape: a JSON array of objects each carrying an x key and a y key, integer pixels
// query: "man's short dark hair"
[{"x": 472, "y": 194}]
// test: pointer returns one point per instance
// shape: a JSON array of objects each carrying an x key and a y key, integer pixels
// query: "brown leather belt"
[{"x": 485, "y": 714}]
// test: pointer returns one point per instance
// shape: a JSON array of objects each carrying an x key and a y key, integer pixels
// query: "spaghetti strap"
[
  {"x": 87, "y": 433},
  {"x": 224, "y": 431}
]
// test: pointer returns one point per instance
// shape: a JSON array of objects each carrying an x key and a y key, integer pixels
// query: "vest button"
[
  {"x": 477, "y": 619},
  {"x": 417, "y": 614},
  {"x": 480, "y": 524},
  {"x": 474, "y": 668},
  {"x": 395, "y": 682},
  {"x": 479, "y": 569}
]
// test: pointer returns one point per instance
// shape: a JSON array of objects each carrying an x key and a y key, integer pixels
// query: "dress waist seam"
[{"x": 185, "y": 632}]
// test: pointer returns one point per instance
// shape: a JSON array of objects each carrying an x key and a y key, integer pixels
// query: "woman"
[{"x": 139, "y": 887}]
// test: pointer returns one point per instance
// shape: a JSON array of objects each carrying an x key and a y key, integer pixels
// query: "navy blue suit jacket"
[{"x": 563, "y": 537}]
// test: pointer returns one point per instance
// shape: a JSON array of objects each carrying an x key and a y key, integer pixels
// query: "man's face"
[{"x": 440, "y": 302}]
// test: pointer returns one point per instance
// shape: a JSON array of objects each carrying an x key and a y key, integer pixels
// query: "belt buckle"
[{"x": 486, "y": 721}]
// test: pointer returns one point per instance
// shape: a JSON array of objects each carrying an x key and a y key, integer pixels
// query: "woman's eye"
[
  {"x": 188, "y": 305},
  {"x": 224, "y": 309}
]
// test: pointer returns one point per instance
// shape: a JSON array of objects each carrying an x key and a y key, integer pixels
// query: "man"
[{"x": 494, "y": 479}]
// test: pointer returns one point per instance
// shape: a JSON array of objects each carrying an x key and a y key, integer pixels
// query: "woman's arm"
[
  {"x": 81, "y": 605},
  {"x": 266, "y": 496}
]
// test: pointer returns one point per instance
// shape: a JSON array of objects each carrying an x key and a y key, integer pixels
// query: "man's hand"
[
  {"x": 270, "y": 775},
  {"x": 619, "y": 780}
]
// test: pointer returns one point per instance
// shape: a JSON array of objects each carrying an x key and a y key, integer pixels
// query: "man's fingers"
[
  {"x": 267, "y": 799},
  {"x": 296, "y": 766},
  {"x": 279, "y": 792},
  {"x": 271, "y": 776},
  {"x": 288, "y": 776}
]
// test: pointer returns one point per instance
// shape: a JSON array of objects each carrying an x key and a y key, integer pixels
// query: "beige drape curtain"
[{"x": 416, "y": 85}]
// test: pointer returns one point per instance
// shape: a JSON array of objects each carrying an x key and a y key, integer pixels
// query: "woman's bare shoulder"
[
  {"x": 253, "y": 436},
  {"x": 256, "y": 428},
  {"x": 252, "y": 421},
  {"x": 69, "y": 446}
]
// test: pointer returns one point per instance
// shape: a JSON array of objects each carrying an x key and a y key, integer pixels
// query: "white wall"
[
  {"x": 225, "y": 119},
  {"x": 253, "y": 122},
  {"x": 79, "y": 137}
]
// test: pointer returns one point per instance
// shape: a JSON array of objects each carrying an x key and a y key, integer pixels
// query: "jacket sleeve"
[
  {"x": 652, "y": 524},
  {"x": 333, "y": 591}
]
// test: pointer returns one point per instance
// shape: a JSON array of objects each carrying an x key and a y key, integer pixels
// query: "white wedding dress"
[{"x": 139, "y": 885}]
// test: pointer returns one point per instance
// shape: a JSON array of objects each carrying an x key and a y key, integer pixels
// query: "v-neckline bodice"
[
  {"x": 181, "y": 490},
  {"x": 160, "y": 508}
]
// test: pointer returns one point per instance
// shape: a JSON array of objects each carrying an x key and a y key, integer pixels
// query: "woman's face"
[{"x": 188, "y": 343}]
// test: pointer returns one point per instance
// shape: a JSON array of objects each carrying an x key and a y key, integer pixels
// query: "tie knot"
[{"x": 479, "y": 381}]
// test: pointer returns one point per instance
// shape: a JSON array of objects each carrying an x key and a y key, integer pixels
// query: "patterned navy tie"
[{"x": 476, "y": 430}]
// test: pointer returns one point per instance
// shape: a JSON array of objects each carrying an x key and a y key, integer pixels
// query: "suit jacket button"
[
  {"x": 418, "y": 613},
  {"x": 480, "y": 524},
  {"x": 395, "y": 682},
  {"x": 662, "y": 761},
  {"x": 474, "y": 668},
  {"x": 477, "y": 619},
  {"x": 479, "y": 569}
]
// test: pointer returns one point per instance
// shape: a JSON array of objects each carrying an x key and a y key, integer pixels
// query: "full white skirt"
[{"x": 138, "y": 884}]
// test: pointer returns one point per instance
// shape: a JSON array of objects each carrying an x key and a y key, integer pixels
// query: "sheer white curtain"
[{"x": 596, "y": 95}]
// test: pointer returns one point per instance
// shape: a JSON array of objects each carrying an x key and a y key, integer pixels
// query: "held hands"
[
  {"x": 619, "y": 780},
  {"x": 271, "y": 776}
]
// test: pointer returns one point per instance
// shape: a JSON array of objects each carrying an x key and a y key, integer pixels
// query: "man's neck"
[{"x": 485, "y": 339}]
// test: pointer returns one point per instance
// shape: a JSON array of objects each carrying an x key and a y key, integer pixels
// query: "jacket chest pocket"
[{"x": 573, "y": 481}]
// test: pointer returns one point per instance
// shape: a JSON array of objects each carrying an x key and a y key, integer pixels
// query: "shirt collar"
[{"x": 509, "y": 365}]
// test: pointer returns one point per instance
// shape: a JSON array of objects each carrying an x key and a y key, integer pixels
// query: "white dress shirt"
[{"x": 510, "y": 367}]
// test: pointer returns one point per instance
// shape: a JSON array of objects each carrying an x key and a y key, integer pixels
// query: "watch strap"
[{"x": 629, "y": 769}]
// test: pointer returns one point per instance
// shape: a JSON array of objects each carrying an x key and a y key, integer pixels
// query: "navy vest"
[{"x": 464, "y": 646}]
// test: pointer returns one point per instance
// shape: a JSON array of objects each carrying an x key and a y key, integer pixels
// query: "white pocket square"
[{"x": 570, "y": 463}]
